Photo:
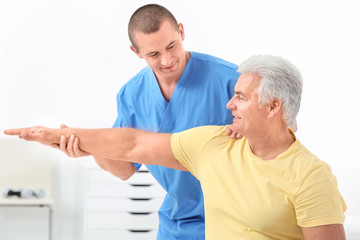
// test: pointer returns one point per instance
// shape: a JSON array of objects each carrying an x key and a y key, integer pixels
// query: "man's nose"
[
  {"x": 230, "y": 104},
  {"x": 165, "y": 59}
]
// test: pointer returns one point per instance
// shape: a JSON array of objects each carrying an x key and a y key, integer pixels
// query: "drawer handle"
[
  {"x": 140, "y": 199},
  {"x": 140, "y": 185},
  {"x": 139, "y": 230},
  {"x": 139, "y": 213}
]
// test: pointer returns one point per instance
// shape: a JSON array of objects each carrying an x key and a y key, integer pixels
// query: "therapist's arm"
[
  {"x": 326, "y": 232},
  {"x": 120, "y": 169},
  {"x": 122, "y": 144}
]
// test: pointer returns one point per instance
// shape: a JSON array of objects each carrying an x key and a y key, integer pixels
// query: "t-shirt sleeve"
[
  {"x": 120, "y": 122},
  {"x": 318, "y": 201},
  {"x": 187, "y": 146}
]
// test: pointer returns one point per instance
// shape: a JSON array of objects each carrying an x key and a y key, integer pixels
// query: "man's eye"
[
  {"x": 240, "y": 97},
  {"x": 170, "y": 47}
]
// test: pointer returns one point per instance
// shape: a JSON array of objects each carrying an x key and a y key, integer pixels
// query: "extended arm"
[
  {"x": 120, "y": 169},
  {"x": 326, "y": 232},
  {"x": 124, "y": 144}
]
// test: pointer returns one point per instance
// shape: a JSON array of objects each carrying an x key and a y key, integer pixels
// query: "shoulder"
[
  {"x": 213, "y": 61},
  {"x": 207, "y": 130},
  {"x": 317, "y": 199},
  {"x": 308, "y": 161},
  {"x": 213, "y": 71},
  {"x": 202, "y": 135},
  {"x": 189, "y": 146},
  {"x": 308, "y": 171},
  {"x": 137, "y": 83}
]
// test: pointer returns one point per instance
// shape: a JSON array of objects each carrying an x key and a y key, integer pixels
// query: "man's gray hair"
[{"x": 279, "y": 79}]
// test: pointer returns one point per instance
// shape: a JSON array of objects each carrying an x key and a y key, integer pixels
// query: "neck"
[
  {"x": 167, "y": 85},
  {"x": 271, "y": 144},
  {"x": 167, "y": 88}
]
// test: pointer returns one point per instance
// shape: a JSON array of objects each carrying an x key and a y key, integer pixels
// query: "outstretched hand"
[
  {"x": 70, "y": 146},
  {"x": 232, "y": 133},
  {"x": 43, "y": 135}
]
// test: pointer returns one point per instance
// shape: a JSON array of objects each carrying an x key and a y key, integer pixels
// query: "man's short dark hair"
[{"x": 148, "y": 19}]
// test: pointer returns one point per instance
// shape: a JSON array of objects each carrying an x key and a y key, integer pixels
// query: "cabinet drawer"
[
  {"x": 149, "y": 190},
  {"x": 101, "y": 176},
  {"x": 124, "y": 204},
  {"x": 120, "y": 234},
  {"x": 121, "y": 220}
]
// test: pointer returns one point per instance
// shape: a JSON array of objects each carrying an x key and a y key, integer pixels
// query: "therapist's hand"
[
  {"x": 294, "y": 126},
  {"x": 71, "y": 146},
  {"x": 233, "y": 134}
]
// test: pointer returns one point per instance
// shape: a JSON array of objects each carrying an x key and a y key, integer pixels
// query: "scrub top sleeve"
[{"x": 120, "y": 122}]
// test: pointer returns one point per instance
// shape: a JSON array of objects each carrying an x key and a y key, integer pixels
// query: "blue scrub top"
[{"x": 199, "y": 98}]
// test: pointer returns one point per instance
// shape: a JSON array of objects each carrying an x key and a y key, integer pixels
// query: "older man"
[{"x": 264, "y": 186}]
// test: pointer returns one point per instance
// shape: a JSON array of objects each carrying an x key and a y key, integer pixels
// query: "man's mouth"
[{"x": 170, "y": 67}]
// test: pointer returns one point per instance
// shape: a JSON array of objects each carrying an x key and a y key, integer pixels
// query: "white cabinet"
[
  {"x": 19, "y": 222},
  {"x": 25, "y": 165},
  {"x": 116, "y": 209}
]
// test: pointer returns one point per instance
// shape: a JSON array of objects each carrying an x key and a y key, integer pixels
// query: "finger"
[
  {"x": 77, "y": 150},
  {"x": 233, "y": 135},
  {"x": 294, "y": 126},
  {"x": 228, "y": 131},
  {"x": 54, "y": 145},
  {"x": 63, "y": 126},
  {"x": 15, "y": 131},
  {"x": 63, "y": 145},
  {"x": 238, "y": 136},
  {"x": 70, "y": 146}
]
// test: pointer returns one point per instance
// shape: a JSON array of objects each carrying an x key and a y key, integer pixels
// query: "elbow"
[
  {"x": 124, "y": 175},
  {"x": 99, "y": 163}
]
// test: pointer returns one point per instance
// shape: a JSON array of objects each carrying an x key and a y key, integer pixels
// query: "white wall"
[{"x": 64, "y": 61}]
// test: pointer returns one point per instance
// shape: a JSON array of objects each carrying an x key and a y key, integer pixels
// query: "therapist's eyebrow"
[
  {"x": 154, "y": 53},
  {"x": 171, "y": 43}
]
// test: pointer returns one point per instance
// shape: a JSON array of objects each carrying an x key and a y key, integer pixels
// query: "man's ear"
[
  {"x": 181, "y": 31},
  {"x": 137, "y": 52},
  {"x": 275, "y": 106}
]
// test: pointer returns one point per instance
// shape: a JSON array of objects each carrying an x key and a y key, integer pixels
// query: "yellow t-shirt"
[{"x": 249, "y": 198}]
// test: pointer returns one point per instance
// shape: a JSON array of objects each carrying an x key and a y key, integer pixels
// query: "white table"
[{"x": 18, "y": 202}]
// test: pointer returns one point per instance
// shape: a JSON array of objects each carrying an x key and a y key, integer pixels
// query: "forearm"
[
  {"x": 120, "y": 169},
  {"x": 107, "y": 143}
]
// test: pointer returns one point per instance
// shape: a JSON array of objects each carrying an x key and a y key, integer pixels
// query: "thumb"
[{"x": 63, "y": 126}]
